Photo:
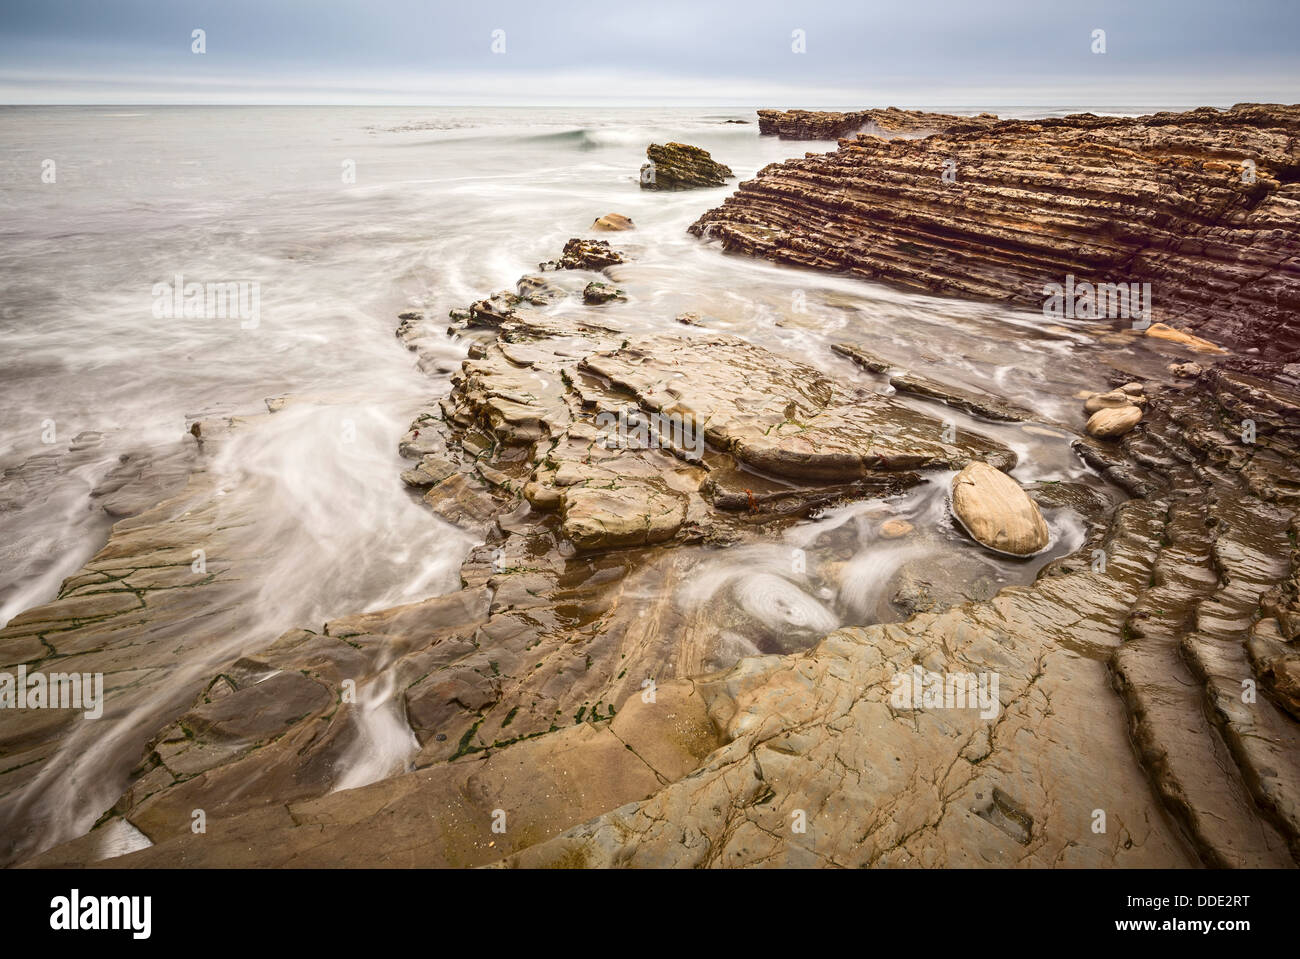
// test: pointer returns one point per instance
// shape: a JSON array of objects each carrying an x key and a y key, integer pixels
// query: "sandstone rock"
[
  {"x": 1115, "y": 399},
  {"x": 1162, "y": 331},
  {"x": 1109, "y": 423},
  {"x": 1132, "y": 389},
  {"x": 613, "y": 222},
  {"x": 1026, "y": 191},
  {"x": 677, "y": 166},
  {"x": 997, "y": 512},
  {"x": 895, "y": 528}
]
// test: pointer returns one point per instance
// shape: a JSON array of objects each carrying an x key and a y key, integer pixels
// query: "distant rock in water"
[
  {"x": 997, "y": 512},
  {"x": 677, "y": 166},
  {"x": 596, "y": 293},
  {"x": 1187, "y": 218},
  {"x": 582, "y": 254},
  {"x": 826, "y": 125},
  {"x": 613, "y": 221}
]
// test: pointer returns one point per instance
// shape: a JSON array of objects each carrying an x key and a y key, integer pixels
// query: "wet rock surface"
[{"x": 620, "y": 701}]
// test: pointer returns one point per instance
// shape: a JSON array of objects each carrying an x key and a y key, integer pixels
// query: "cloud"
[{"x": 922, "y": 52}]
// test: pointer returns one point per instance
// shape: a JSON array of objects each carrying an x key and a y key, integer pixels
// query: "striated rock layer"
[
  {"x": 1204, "y": 206},
  {"x": 823, "y": 125}
]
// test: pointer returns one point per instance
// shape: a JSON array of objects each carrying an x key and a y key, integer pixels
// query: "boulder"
[
  {"x": 996, "y": 512},
  {"x": 677, "y": 166},
  {"x": 596, "y": 293},
  {"x": 1108, "y": 423},
  {"x": 613, "y": 222}
]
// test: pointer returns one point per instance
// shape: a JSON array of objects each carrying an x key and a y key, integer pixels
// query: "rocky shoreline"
[
  {"x": 565, "y": 691},
  {"x": 1202, "y": 206}
]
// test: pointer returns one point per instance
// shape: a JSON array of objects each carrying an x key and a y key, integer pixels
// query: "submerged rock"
[
  {"x": 677, "y": 166},
  {"x": 613, "y": 222},
  {"x": 997, "y": 512},
  {"x": 596, "y": 293}
]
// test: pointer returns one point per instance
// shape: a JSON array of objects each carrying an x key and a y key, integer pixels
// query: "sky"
[{"x": 784, "y": 53}]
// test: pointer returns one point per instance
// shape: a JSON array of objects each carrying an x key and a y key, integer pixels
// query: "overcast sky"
[{"x": 858, "y": 52}]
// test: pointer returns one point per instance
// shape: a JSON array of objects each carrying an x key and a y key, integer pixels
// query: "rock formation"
[
  {"x": 822, "y": 125},
  {"x": 1203, "y": 206},
  {"x": 613, "y": 222},
  {"x": 566, "y": 685},
  {"x": 677, "y": 166}
]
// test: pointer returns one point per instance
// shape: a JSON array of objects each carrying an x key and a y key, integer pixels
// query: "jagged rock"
[
  {"x": 613, "y": 222},
  {"x": 677, "y": 166},
  {"x": 596, "y": 293},
  {"x": 433, "y": 469},
  {"x": 1115, "y": 421},
  {"x": 997, "y": 512},
  {"x": 580, "y": 254},
  {"x": 1102, "y": 199}
]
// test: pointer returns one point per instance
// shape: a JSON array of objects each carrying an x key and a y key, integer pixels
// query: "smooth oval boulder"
[
  {"x": 997, "y": 513},
  {"x": 1114, "y": 422},
  {"x": 613, "y": 221}
]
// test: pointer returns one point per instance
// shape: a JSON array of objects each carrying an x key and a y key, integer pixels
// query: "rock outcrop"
[
  {"x": 678, "y": 166},
  {"x": 568, "y": 687},
  {"x": 828, "y": 125},
  {"x": 1203, "y": 206}
]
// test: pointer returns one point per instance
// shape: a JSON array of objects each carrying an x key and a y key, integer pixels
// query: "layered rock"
[
  {"x": 1201, "y": 205},
  {"x": 830, "y": 125},
  {"x": 678, "y": 166},
  {"x": 1167, "y": 607}
]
